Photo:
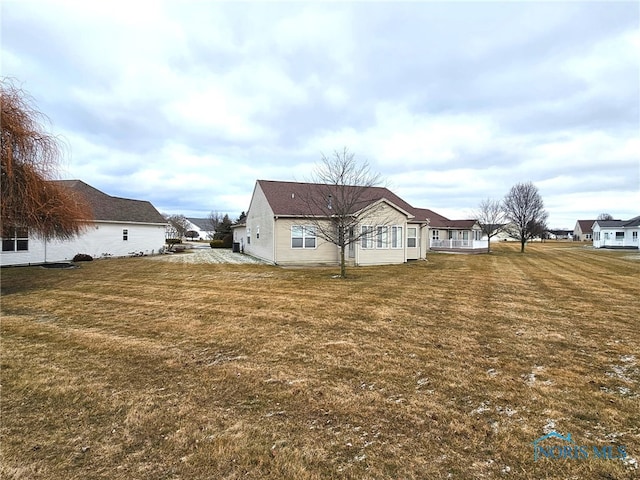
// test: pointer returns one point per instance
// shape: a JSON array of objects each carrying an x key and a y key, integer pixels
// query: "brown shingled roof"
[
  {"x": 114, "y": 209},
  {"x": 293, "y": 198},
  {"x": 586, "y": 225}
]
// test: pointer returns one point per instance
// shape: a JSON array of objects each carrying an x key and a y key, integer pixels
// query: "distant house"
[
  {"x": 121, "y": 227},
  {"x": 445, "y": 234},
  {"x": 277, "y": 229},
  {"x": 201, "y": 226},
  {"x": 583, "y": 232},
  {"x": 560, "y": 234},
  {"x": 616, "y": 233}
]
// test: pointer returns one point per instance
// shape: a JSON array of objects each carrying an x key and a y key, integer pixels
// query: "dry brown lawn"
[{"x": 449, "y": 368}]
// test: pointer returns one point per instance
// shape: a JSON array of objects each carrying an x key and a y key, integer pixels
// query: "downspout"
[{"x": 273, "y": 239}]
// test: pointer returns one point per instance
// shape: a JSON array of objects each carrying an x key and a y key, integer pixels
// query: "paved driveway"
[{"x": 208, "y": 255}]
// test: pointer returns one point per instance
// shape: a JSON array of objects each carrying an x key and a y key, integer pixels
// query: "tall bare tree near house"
[
  {"x": 178, "y": 226},
  {"x": 339, "y": 199},
  {"x": 524, "y": 209},
  {"x": 213, "y": 223},
  {"x": 490, "y": 216},
  {"x": 605, "y": 216},
  {"x": 29, "y": 200}
]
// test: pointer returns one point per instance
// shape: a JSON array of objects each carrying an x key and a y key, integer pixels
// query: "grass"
[{"x": 138, "y": 368}]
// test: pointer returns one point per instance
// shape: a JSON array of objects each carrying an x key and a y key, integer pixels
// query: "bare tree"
[
  {"x": 605, "y": 216},
  {"x": 490, "y": 216},
  {"x": 340, "y": 199},
  {"x": 30, "y": 155},
  {"x": 178, "y": 226},
  {"x": 213, "y": 223},
  {"x": 524, "y": 209}
]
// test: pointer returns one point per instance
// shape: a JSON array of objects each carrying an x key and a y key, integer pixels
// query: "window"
[
  {"x": 257, "y": 233},
  {"x": 303, "y": 236},
  {"x": 412, "y": 234},
  {"x": 396, "y": 237},
  {"x": 367, "y": 236},
  {"x": 125, "y": 234},
  {"x": 619, "y": 235},
  {"x": 248, "y": 235},
  {"x": 634, "y": 237},
  {"x": 381, "y": 237},
  {"x": 15, "y": 239},
  {"x": 477, "y": 234},
  {"x": 435, "y": 234}
]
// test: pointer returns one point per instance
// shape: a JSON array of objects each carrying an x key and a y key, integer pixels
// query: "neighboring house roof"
[
  {"x": 435, "y": 219},
  {"x": 438, "y": 221},
  {"x": 203, "y": 224},
  {"x": 634, "y": 222},
  {"x": 113, "y": 209},
  {"x": 585, "y": 225},
  {"x": 610, "y": 223}
]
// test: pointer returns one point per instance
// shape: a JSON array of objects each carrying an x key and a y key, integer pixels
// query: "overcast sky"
[{"x": 187, "y": 103}]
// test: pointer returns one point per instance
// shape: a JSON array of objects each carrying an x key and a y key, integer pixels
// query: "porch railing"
[{"x": 453, "y": 244}]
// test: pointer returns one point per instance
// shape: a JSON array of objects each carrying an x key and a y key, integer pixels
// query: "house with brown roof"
[
  {"x": 616, "y": 233},
  {"x": 446, "y": 235},
  {"x": 284, "y": 218},
  {"x": 121, "y": 227},
  {"x": 583, "y": 232}
]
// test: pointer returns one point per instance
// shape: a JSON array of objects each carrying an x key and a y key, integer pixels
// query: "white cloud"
[{"x": 188, "y": 103}]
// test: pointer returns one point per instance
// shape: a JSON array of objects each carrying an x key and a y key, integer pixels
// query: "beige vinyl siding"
[
  {"x": 422, "y": 241},
  {"x": 385, "y": 215},
  {"x": 323, "y": 253},
  {"x": 260, "y": 219}
]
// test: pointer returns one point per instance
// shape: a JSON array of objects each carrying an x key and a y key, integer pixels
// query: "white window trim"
[
  {"x": 397, "y": 241},
  {"x": 308, "y": 232},
  {"x": 19, "y": 236},
  {"x": 367, "y": 237},
  {"x": 380, "y": 237}
]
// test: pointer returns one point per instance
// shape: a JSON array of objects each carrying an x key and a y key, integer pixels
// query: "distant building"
[
  {"x": 202, "y": 226},
  {"x": 583, "y": 232},
  {"x": 616, "y": 233}
]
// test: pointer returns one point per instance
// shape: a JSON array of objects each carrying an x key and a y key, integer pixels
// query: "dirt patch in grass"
[{"x": 450, "y": 368}]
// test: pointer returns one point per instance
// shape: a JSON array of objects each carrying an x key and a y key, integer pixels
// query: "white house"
[
  {"x": 121, "y": 227},
  {"x": 616, "y": 233},
  {"x": 202, "y": 226},
  {"x": 278, "y": 229},
  {"x": 582, "y": 232}
]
